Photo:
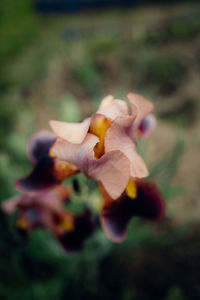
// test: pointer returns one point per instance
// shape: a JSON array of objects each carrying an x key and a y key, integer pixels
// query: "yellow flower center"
[
  {"x": 99, "y": 127},
  {"x": 66, "y": 225},
  {"x": 131, "y": 189},
  {"x": 22, "y": 223},
  {"x": 63, "y": 169}
]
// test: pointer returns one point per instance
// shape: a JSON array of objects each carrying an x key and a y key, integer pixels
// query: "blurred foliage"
[
  {"x": 87, "y": 75},
  {"x": 167, "y": 167},
  {"x": 69, "y": 109},
  {"x": 17, "y": 26},
  {"x": 175, "y": 293},
  {"x": 159, "y": 71},
  {"x": 184, "y": 114},
  {"x": 41, "y": 70},
  {"x": 182, "y": 27}
]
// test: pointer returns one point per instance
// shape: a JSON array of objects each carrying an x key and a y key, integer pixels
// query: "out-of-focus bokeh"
[{"x": 58, "y": 62}]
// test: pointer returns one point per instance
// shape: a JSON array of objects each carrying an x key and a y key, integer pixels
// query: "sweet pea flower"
[
  {"x": 46, "y": 209},
  {"x": 103, "y": 146}
]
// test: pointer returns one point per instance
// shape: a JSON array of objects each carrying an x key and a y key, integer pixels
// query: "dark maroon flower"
[
  {"x": 116, "y": 214},
  {"x": 48, "y": 171},
  {"x": 83, "y": 227},
  {"x": 39, "y": 145}
]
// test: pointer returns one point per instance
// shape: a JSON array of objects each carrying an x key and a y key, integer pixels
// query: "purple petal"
[
  {"x": 149, "y": 203},
  {"x": 114, "y": 219},
  {"x": 116, "y": 214},
  {"x": 40, "y": 144},
  {"x": 74, "y": 240},
  {"x": 42, "y": 177},
  {"x": 147, "y": 126}
]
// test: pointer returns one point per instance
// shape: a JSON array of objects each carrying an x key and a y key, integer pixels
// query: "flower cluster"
[{"x": 103, "y": 147}]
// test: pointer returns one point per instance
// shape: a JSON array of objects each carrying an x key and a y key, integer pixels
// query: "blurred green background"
[{"x": 59, "y": 66}]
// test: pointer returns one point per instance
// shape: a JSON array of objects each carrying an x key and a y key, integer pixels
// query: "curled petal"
[
  {"x": 112, "y": 169},
  {"x": 115, "y": 215},
  {"x": 147, "y": 126},
  {"x": 71, "y": 132},
  {"x": 117, "y": 139},
  {"x": 44, "y": 174},
  {"x": 47, "y": 173},
  {"x": 106, "y": 102},
  {"x": 73, "y": 240},
  {"x": 143, "y": 106},
  {"x": 39, "y": 145},
  {"x": 42, "y": 177},
  {"x": 113, "y": 108},
  {"x": 78, "y": 155}
]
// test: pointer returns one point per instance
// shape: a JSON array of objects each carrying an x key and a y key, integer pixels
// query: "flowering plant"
[{"x": 102, "y": 147}]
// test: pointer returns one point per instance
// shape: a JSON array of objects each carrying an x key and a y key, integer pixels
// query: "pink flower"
[{"x": 103, "y": 146}]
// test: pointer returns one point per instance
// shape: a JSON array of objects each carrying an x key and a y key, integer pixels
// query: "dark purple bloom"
[
  {"x": 83, "y": 227},
  {"x": 39, "y": 145},
  {"x": 48, "y": 171},
  {"x": 116, "y": 214}
]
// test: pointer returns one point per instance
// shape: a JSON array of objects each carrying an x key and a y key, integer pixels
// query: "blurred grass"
[{"x": 158, "y": 71}]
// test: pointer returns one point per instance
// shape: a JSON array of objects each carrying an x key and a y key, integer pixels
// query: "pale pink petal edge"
[
  {"x": 10, "y": 205},
  {"x": 143, "y": 105},
  {"x": 72, "y": 132}
]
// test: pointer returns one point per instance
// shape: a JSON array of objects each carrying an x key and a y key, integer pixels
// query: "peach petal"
[
  {"x": 113, "y": 108},
  {"x": 117, "y": 139},
  {"x": 106, "y": 102},
  {"x": 71, "y": 132},
  {"x": 76, "y": 154},
  {"x": 144, "y": 107},
  {"x": 112, "y": 169}
]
